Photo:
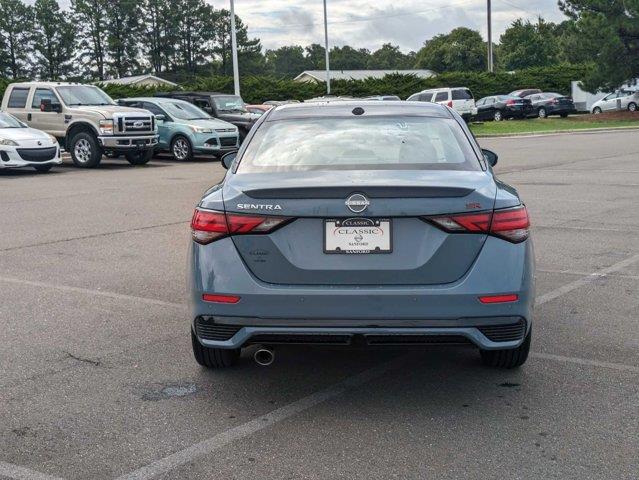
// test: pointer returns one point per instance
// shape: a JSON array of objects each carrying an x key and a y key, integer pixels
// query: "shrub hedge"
[{"x": 256, "y": 89}]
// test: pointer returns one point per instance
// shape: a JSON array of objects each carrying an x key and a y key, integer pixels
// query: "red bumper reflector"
[
  {"x": 210, "y": 297},
  {"x": 499, "y": 298}
]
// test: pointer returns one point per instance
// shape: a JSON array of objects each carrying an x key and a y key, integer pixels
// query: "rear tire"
[
  {"x": 632, "y": 107},
  {"x": 42, "y": 168},
  {"x": 213, "y": 357},
  {"x": 140, "y": 157},
  {"x": 507, "y": 358},
  {"x": 85, "y": 151},
  {"x": 498, "y": 116},
  {"x": 564, "y": 115},
  {"x": 542, "y": 113}
]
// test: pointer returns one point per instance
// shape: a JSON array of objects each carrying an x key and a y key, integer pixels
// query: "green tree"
[
  {"x": 460, "y": 50},
  {"x": 161, "y": 33},
  {"x": 389, "y": 57},
  {"x": 348, "y": 58},
  {"x": 124, "y": 29},
  {"x": 195, "y": 33},
  {"x": 525, "y": 45},
  {"x": 287, "y": 61},
  {"x": 316, "y": 56},
  {"x": 609, "y": 32},
  {"x": 54, "y": 40},
  {"x": 16, "y": 20},
  {"x": 249, "y": 51},
  {"x": 90, "y": 18}
]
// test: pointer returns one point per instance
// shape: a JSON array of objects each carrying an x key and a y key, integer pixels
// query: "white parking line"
[
  {"x": 92, "y": 292},
  {"x": 16, "y": 472},
  {"x": 569, "y": 287},
  {"x": 584, "y": 361},
  {"x": 249, "y": 428}
]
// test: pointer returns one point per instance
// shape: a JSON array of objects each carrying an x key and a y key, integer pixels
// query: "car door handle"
[{"x": 28, "y": 117}]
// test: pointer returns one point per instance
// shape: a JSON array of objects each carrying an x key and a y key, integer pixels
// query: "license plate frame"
[{"x": 384, "y": 224}]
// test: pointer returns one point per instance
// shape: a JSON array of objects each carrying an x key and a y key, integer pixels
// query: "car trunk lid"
[{"x": 420, "y": 253}]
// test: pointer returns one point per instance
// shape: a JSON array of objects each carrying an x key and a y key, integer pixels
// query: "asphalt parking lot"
[{"x": 97, "y": 379}]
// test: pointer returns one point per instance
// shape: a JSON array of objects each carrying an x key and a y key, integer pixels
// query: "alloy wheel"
[
  {"x": 180, "y": 149},
  {"x": 82, "y": 150}
]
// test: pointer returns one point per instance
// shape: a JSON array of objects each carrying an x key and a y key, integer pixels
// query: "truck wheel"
[
  {"x": 507, "y": 358},
  {"x": 85, "y": 151},
  {"x": 140, "y": 157},
  {"x": 43, "y": 168},
  {"x": 181, "y": 149},
  {"x": 213, "y": 357}
]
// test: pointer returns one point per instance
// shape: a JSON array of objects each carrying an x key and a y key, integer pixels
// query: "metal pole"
[
  {"x": 236, "y": 72},
  {"x": 328, "y": 69},
  {"x": 490, "y": 38}
]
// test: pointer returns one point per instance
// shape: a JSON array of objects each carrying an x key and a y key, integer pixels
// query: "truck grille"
[
  {"x": 135, "y": 124},
  {"x": 37, "y": 154}
]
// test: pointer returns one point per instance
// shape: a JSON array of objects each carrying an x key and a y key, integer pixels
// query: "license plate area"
[{"x": 358, "y": 236}]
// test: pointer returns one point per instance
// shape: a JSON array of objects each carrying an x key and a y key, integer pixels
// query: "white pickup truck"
[{"x": 85, "y": 120}]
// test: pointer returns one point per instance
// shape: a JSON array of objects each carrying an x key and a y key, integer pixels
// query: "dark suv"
[{"x": 227, "y": 107}]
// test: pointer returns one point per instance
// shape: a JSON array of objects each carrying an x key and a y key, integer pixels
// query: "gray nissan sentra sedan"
[{"x": 360, "y": 223}]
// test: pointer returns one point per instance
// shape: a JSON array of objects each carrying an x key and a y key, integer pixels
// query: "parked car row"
[
  {"x": 39, "y": 119},
  {"x": 523, "y": 103}
]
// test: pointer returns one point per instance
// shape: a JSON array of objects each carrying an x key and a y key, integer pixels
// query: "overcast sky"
[{"x": 370, "y": 23}]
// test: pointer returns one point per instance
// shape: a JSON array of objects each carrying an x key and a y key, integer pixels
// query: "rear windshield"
[
  {"x": 373, "y": 143},
  {"x": 462, "y": 94}
]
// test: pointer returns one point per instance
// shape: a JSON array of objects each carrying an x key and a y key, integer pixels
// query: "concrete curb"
[{"x": 556, "y": 132}]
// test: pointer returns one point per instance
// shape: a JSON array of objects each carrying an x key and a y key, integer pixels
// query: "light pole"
[
  {"x": 490, "y": 37},
  {"x": 328, "y": 69},
  {"x": 236, "y": 72}
]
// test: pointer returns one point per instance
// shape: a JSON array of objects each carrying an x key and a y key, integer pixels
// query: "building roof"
[
  {"x": 320, "y": 75},
  {"x": 137, "y": 79}
]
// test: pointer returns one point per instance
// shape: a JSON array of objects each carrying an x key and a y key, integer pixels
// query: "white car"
[
  {"x": 620, "y": 100},
  {"x": 459, "y": 99},
  {"x": 21, "y": 146}
]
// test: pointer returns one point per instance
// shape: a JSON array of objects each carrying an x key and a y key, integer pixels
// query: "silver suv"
[{"x": 85, "y": 120}]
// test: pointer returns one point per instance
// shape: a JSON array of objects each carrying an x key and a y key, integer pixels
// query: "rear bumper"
[
  {"x": 501, "y": 267},
  {"x": 488, "y": 333}
]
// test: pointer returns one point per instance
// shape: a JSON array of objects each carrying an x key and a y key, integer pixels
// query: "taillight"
[
  {"x": 511, "y": 224},
  {"x": 450, "y": 103},
  {"x": 510, "y": 102},
  {"x": 210, "y": 225}
]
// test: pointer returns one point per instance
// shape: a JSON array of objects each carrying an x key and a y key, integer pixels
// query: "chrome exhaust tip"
[{"x": 264, "y": 356}]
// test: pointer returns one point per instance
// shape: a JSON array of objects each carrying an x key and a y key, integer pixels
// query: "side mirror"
[
  {"x": 227, "y": 159},
  {"x": 160, "y": 118},
  {"x": 490, "y": 156}
]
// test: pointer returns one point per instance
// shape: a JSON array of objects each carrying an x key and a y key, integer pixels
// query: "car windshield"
[
  {"x": 185, "y": 111},
  {"x": 374, "y": 143},
  {"x": 229, "y": 103},
  {"x": 9, "y": 121},
  {"x": 83, "y": 95}
]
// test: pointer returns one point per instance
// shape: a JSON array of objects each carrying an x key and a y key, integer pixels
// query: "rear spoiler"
[{"x": 371, "y": 192}]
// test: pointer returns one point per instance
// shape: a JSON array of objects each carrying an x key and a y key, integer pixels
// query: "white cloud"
[{"x": 370, "y": 23}]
